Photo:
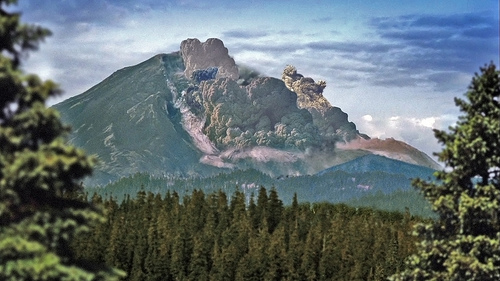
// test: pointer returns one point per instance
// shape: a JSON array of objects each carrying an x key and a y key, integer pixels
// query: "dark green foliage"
[
  {"x": 392, "y": 192},
  {"x": 397, "y": 201},
  {"x": 463, "y": 243},
  {"x": 207, "y": 237},
  {"x": 39, "y": 174}
]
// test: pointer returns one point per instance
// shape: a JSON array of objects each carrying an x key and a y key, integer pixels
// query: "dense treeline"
[
  {"x": 392, "y": 192},
  {"x": 213, "y": 237}
]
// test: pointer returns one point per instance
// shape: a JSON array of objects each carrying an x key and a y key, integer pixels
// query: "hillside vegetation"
[
  {"x": 213, "y": 237},
  {"x": 376, "y": 189}
]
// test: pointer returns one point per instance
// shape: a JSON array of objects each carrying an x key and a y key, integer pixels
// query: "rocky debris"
[{"x": 211, "y": 53}]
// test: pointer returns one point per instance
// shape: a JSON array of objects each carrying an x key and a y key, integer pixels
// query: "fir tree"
[
  {"x": 463, "y": 243},
  {"x": 37, "y": 167},
  {"x": 199, "y": 267},
  {"x": 276, "y": 253},
  {"x": 275, "y": 210}
]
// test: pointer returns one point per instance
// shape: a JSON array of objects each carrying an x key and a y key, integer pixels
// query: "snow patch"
[
  {"x": 108, "y": 128},
  {"x": 135, "y": 111},
  {"x": 108, "y": 140}
]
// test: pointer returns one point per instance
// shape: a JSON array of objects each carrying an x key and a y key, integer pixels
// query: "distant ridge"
[
  {"x": 373, "y": 163},
  {"x": 393, "y": 149}
]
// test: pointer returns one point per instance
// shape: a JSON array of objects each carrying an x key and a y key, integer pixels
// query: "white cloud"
[
  {"x": 428, "y": 122},
  {"x": 367, "y": 118},
  {"x": 418, "y": 132}
]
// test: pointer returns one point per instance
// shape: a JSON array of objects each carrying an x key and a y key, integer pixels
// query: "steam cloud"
[
  {"x": 264, "y": 113},
  {"x": 246, "y": 110}
]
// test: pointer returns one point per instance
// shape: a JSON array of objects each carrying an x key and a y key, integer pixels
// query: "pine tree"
[
  {"x": 255, "y": 263},
  {"x": 199, "y": 267},
  {"x": 275, "y": 212},
  {"x": 331, "y": 258},
  {"x": 235, "y": 238},
  {"x": 37, "y": 222},
  {"x": 294, "y": 256},
  {"x": 276, "y": 253},
  {"x": 153, "y": 242},
  {"x": 182, "y": 248},
  {"x": 262, "y": 206},
  {"x": 463, "y": 243},
  {"x": 312, "y": 254}
]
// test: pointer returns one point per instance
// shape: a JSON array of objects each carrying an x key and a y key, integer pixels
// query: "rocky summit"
[{"x": 195, "y": 112}]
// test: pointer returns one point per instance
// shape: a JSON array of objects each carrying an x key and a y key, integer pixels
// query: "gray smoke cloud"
[{"x": 263, "y": 113}]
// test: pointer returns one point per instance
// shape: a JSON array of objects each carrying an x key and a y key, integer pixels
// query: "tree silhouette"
[
  {"x": 37, "y": 169},
  {"x": 463, "y": 243}
]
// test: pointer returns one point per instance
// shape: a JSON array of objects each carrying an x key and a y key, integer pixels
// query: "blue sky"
[{"x": 393, "y": 66}]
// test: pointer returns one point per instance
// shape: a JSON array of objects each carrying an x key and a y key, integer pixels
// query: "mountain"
[
  {"x": 391, "y": 148},
  {"x": 195, "y": 112},
  {"x": 372, "y": 163},
  {"x": 129, "y": 121}
]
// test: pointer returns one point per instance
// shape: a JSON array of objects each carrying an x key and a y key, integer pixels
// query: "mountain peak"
[{"x": 211, "y": 53}]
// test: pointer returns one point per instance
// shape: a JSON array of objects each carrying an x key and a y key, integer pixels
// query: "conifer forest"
[
  {"x": 216, "y": 202},
  {"x": 218, "y": 236}
]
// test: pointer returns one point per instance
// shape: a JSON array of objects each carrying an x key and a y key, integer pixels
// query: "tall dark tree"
[
  {"x": 275, "y": 210},
  {"x": 463, "y": 243},
  {"x": 37, "y": 167}
]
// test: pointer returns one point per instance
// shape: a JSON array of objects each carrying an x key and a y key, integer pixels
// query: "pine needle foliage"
[
  {"x": 464, "y": 242},
  {"x": 38, "y": 171}
]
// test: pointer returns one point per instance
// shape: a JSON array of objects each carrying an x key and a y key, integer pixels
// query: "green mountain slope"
[
  {"x": 373, "y": 163},
  {"x": 128, "y": 121}
]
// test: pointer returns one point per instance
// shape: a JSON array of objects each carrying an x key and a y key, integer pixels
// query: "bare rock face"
[{"x": 211, "y": 53}]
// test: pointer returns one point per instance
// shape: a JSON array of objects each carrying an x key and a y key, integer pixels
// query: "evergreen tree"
[
  {"x": 182, "y": 248},
  {"x": 312, "y": 254},
  {"x": 166, "y": 227},
  {"x": 463, "y": 243},
  {"x": 275, "y": 210},
  {"x": 199, "y": 267},
  {"x": 37, "y": 167},
  {"x": 254, "y": 264},
  {"x": 252, "y": 213},
  {"x": 331, "y": 257},
  {"x": 262, "y": 208},
  {"x": 294, "y": 256},
  {"x": 153, "y": 242},
  {"x": 276, "y": 253}
]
